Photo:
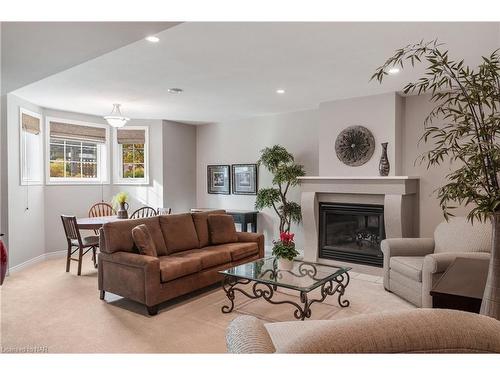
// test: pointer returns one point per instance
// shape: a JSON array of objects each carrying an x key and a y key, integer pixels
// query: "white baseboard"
[{"x": 38, "y": 259}]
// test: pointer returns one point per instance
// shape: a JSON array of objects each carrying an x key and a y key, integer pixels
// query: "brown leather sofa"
[{"x": 186, "y": 260}]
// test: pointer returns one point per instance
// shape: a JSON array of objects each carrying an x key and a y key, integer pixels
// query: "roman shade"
[
  {"x": 30, "y": 124},
  {"x": 78, "y": 132},
  {"x": 131, "y": 136}
]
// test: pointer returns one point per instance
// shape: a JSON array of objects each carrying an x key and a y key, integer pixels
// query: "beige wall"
[
  {"x": 241, "y": 142},
  {"x": 416, "y": 109},
  {"x": 179, "y": 166},
  {"x": 26, "y": 207},
  {"x": 381, "y": 114}
]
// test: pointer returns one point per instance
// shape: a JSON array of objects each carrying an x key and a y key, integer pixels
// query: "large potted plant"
[{"x": 463, "y": 127}]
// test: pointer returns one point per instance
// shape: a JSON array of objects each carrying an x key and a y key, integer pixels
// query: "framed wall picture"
[
  {"x": 244, "y": 178},
  {"x": 218, "y": 179}
]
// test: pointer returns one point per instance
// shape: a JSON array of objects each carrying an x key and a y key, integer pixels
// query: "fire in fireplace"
[{"x": 351, "y": 232}]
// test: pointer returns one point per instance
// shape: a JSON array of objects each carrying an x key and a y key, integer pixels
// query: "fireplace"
[{"x": 351, "y": 232}]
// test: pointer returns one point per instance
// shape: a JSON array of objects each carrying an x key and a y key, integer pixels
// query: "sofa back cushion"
[
  {"x": 200, "y": 220},
  {"x": 179, "y": 232},
  {"x": 458, "y": 235},
  {"x": 118, "y": 235},
  {"x": 144, "y": 241},
  {"x": 222, "y": 229}
]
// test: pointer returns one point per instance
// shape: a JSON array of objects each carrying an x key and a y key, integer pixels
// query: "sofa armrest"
[
  {"x": 130, "y": 275},
  {"x": 258, "y": 238},
  {"x": 247, "y": 334},
  {"x": 133, "y": 260}
]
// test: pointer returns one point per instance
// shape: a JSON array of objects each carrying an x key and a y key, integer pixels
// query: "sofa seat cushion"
[
  {"x": 174, "y": 266},
  {"x": 210, "y": 256},
  {"x": 410, "y": 267},
  {"x": 241, "y": 250},
  {"x": 179, "y": 232}
]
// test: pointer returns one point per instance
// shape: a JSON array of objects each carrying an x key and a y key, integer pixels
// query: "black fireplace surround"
[{"x": 351, "y": 232}]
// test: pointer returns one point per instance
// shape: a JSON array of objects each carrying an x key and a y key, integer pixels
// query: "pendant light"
[{"x": 115, "y": 118}]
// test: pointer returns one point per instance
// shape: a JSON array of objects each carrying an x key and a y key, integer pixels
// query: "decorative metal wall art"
[{"x": 355, "y": 145}]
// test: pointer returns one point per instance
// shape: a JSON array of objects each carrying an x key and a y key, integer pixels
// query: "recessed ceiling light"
[
  {"x": 175, "y": 90},
  {"x": 152, "y": 39},
  {"x": 393, "y": 71},
  {"x": 280, "y": 91}
]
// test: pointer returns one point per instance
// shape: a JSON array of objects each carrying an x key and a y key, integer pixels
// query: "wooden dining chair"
[
  {"x": 101, "y": 209},
  {"x": 77, "y": 244},
  {"x": 144, "y": 212},
  {"x": 164, "y": 211}
]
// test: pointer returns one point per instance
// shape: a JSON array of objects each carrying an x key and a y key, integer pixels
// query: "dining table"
[{"x": 95, "y": 223}]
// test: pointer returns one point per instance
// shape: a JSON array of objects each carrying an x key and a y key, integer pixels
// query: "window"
[
  {"x": 77, "y": 152},
  {"x": 31, "y": 155},
  {"x": 131, "y": 145}
]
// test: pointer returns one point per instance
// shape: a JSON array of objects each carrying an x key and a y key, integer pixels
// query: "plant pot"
[
  {"x": 122, "y": 212},
  {"x": 3, "y": 262},
  {"x": 285, "y": 264},
  {"x": 491, "y": 297}
]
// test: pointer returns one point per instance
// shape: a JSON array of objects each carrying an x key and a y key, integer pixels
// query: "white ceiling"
[
  {"x": 231, "y": 70},
  {"x": 34, "y": 50}
]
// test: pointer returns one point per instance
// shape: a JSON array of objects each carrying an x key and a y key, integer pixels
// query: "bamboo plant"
[
  {"x": 463, "y": 128},
  {"x": 285, "y": 172}
]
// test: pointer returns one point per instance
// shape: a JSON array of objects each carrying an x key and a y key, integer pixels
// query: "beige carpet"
[{"x": 42, "y": 306}]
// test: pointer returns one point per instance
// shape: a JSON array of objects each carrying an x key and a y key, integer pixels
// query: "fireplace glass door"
[{"x": 351, "y": 232}]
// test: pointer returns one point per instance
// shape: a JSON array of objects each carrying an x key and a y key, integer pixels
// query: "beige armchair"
[
  {"x": 413, "y": 265},
  {"x": 406, "y": 331}
]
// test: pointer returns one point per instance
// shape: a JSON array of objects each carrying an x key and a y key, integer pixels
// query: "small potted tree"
[{"x": 285, "y": 171}]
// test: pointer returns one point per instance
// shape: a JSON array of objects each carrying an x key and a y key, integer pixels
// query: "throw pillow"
[
  {"x": 144, "y": 241},
  {"x": 222, "y": 229}
]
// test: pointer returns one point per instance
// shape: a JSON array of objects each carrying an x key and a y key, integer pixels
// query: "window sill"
[
  {"x": 132, "y": 183},
  {"x": 66, "y": 183}
]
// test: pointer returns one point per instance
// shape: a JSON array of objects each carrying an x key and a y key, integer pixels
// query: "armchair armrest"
[
  {"x": 403, "y": 247},
  {"x": 130, "y": 275},
  {"x": 258, "y": 238},
  {"x": 407, "y": 246}
]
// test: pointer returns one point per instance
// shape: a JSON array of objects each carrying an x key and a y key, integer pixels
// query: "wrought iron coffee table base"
[{"x": 266, "y": 291}]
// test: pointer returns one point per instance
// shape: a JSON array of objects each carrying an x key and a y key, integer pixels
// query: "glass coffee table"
[{"x": 304, "y": 277}]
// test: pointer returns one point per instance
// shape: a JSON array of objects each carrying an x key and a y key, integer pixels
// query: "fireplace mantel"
[
  {"x": 360, "y": 185},
  {"x": 398, "y": 195}
]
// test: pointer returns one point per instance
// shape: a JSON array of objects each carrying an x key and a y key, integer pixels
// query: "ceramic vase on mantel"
[
  {"x": 122, "y": 212},
  {"x": 285, "y": 264},
  {"x": 384, "y": 166}
]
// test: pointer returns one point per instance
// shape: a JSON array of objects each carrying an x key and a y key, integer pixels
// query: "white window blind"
[{"x": 77, "y": 132}]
